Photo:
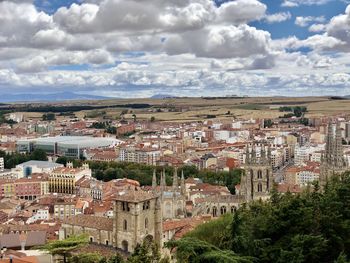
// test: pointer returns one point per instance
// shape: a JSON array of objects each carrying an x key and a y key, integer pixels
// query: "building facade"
[
  {"x": 257, "y": 180},
  {"x": 137, "y": 217},
  {"x": 62, "y": 180},
  {"x": 333, "y": 161}
]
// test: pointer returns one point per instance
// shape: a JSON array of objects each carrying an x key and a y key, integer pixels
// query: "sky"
[{"x": 139, "y": 48}]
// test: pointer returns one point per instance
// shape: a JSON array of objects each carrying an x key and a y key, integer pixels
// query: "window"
[
  {"x": 125, "y": 225},
  {"x": 259, "y": 174},
  {"x": 125, "y": 206},
  {"x": 91, "y": 239},
  {"x": 146, "y": 223},
  {"x": 106, "y": 242},
  {"x": 259, "y": 187},
  {"x": 223, "y": 210}
]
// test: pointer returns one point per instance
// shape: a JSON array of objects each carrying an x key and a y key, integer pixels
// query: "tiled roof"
[
  {"x": 135, "y": 195},
  {"x": 94, "y": 222}
]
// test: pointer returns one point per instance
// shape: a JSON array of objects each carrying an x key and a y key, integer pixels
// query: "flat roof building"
[{"x": 69, "y": 146}]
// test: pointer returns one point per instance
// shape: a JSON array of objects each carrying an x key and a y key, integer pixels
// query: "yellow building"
[{"x": 63, "y": 179}]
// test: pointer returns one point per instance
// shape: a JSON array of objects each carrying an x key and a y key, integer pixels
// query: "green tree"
[
  {"x": 268, "y": 123},
  {"x": 65, "y": 247},
  {"x": 86, "y": 258},
  {"x": 153, "y": 119},
  {"x": 39, "y": 155},
  {"x": 49, "y": 117},
  {"x": 147, "y": 252}
]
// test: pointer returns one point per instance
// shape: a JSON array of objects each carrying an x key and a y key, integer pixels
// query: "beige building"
[
  {"x": 63, "y": 179},
  {"x": 136, "y": 217}
]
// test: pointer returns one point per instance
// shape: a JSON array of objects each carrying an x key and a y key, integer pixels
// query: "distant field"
[{"x": 191, "y": 109}]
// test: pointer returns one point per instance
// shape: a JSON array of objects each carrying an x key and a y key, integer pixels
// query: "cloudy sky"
[{"x": 138, "y": 48}]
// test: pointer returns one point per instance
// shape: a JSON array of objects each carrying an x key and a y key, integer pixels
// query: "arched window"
[
  {"x": 223, "y": 210},
  {"x": 125, "y": 225},
  {"x": 259, "y": 187},
  {"x": 215, "y": 211},
  {"x": 146, "y": 223},
  {"x": 233, "y": 209},
  {"x": 259, "y": 174}
]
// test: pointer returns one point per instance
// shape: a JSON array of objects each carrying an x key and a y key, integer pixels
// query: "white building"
[
  {"x": 304, "y": 153},
  {"x": 306, "y": 177},
  {"x": 2, "y": 164},
  {"x": 27, "y": 168},
  {"x": 41, "y": 214}
]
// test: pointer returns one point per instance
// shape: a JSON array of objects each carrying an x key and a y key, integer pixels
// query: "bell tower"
[
  {"x": 137, "y": 217},
  {"x": 257, "y": 180}
]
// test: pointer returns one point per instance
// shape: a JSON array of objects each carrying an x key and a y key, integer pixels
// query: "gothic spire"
[
  {"x": 183, "y": 186},
  {"x": 154, "y": 180},
  {"x": 175, "y": 180},
  {"x": 247, "y": 154},
  {"x": 162, "y": 181}
]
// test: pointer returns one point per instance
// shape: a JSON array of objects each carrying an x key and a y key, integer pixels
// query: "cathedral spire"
[
  {"x": 154, "y": 180},
  {"x": 183, "y": 186},
  {"x": 162, "y": 181},
  {"x": 247, "y": 154},
  {"x": 175, "y": 180}
]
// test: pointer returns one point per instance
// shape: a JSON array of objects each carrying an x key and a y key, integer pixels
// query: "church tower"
[
  {"x": 333, "y": 161},
  {"x": 257, "y": 180},
  {"x": 137, "y": 218}
]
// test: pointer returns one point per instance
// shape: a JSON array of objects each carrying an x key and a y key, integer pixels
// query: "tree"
[
  {"x": 153, "y": 119},
  {"x": 65, "y": 247},
  {"x": 134, "y": 117},
  {"x": 49, "y": 117},
  {"x": 313, "y": 226},
  {"x": 193, "y": 250},
  {"x": 147, "y": 252},
  {"x": 268, "y": 123},
  {"x": 39, "y": 155},
  {"x": 86, "y": 258}
]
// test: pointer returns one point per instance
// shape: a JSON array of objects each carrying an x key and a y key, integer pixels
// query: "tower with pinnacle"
[
  {"x": 257, "y": 180},
  {"x": 333, "y": 162},
  {"x": 173, "y": 198}
]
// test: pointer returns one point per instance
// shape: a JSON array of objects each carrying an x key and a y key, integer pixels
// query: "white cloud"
[
  {"x": 317, "y": 28},
  {"x": 339, "y": 27},
  {"x": 295, "y": 3},
  {"x": 278, "y": 17},
  {"x": 304, "y": 21},
  {"x": 192, "y": 45}
]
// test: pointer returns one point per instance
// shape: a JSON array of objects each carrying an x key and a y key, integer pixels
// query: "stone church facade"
[
  {"x": 137, "y": 217},
  {"x": 333, "y": 162},
  {"x": 257, "y": 180}
]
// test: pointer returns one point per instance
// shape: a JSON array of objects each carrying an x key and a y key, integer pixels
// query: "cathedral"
[
  {"x": 173, "y": 198},
  {"x": 333, "y": 161},
  {"x": 257, "y": 180}
]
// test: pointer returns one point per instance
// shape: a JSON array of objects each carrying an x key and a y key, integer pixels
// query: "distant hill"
[
  {"x": 162, "y": 96},
  {"x": 49, "y": 97}
]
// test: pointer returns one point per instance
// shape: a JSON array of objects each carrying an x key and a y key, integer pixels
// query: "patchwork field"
[{"x": 191, "y": 109}]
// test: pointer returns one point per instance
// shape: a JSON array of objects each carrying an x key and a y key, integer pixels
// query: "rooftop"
[{"x": 95, "y": 222}]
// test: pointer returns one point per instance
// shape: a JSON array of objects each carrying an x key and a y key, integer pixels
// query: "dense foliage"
[
  {"x": 12, "y": 159},
  {"x": 297, "y": 111},
  {"x": 65, "y": 247},
  {"x": 107, "y": 171},
  {"x": 3, "y": 119},
  {"x": 311, "y": 227},
  {"x": 105, "y": 126},
  {"x": 49, "y": 117}
]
